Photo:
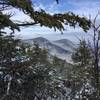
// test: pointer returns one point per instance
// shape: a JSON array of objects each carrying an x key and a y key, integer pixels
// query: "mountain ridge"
[{"x": 62, "y": 48}]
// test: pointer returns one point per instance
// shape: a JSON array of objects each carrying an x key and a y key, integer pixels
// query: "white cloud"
[
  {"x": 51, "y": 8},
  {"x": 39, "y": 6},
  {"x": 86, "y": 7},
  {"x": 17, "y": 15}
]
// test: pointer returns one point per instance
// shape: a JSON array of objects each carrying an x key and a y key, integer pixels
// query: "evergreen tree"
[
  {"x": 82, "y": 54},
  {"x": 81, "y": 74}
]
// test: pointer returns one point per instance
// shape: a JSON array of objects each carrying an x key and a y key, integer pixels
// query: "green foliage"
[
  {"x": 82, "y": 74},
  {"x": 56, "y": 21},
  {"x": 24, "y": 5},
  {"x": 26, "y": 72},
  {"x": 72, "y": 20},
  {"x": 5, "y": 22},
  {"x": 82, "y": 54}
]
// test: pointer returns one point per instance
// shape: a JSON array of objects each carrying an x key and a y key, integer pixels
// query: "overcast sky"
[{"x": 80, "y": 7}]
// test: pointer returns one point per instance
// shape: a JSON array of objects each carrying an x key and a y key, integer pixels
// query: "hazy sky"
[{"x": 80, "y": 7}]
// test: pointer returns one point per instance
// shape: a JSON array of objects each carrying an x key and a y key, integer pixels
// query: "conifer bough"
[{"x": 56, "y": 21}]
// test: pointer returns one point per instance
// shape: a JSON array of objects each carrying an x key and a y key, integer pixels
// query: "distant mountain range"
[
  {"x": 61, "y": 48},
  {"x": 65, "y": 44}
]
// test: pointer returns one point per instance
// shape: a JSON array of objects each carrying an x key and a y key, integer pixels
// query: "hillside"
[{"x": 61, "y": 48}]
